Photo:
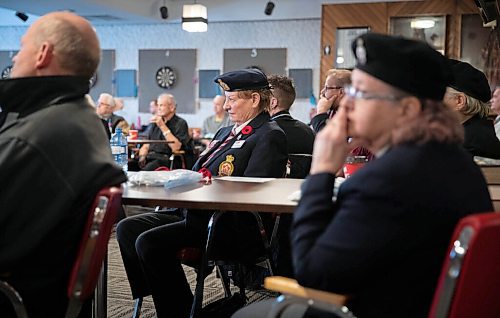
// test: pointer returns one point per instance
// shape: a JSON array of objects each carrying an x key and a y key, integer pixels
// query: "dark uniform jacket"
[
  {"x": 384, "y": 239},
  {"x": 259, "y": 153},
  {"x": 480, "y": 138},
  {"x": 300, "y": 142},
  {"x": 54, "y": 158}
]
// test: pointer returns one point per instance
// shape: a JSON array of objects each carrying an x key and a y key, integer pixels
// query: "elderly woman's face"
[
  {"x": 371, "y": 113},
  {"x": 241, "y": 109}
]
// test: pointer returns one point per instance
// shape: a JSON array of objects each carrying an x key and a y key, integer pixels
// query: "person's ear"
[
  {"x": 255, "y": 100},
  {"x": 45, "y": 55},
  {"x": 461, "y": 101},
  {"x": 274, "y": 102},
  {"x": 411, "y": 107}
]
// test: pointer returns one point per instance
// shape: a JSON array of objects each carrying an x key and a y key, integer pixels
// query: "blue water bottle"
[{"x": 119, "y": 149}]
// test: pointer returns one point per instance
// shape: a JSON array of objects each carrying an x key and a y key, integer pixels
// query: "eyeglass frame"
[
  {"x": 352, "y": 92},
  {"x": 332, "y": 87}
]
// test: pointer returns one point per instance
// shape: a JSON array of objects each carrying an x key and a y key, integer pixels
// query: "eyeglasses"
[{"x": 353, "y": 92}]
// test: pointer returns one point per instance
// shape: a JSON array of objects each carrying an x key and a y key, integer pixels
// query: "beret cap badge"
[{"x": 223, "y": 85}]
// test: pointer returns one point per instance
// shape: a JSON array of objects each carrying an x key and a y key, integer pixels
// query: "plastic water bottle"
[{"x": 119, "y": 149}]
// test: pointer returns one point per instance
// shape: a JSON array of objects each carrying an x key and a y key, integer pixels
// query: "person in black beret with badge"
[
  {"x": 383, "y": 240},
  {"x": 469, "y": 95},
  {"x": 253, "y": 147}
]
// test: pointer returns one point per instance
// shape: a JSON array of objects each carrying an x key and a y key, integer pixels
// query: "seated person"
[
  {"x": 300, "y": 135},
  {"x": 469, "y": 94},
  {"x": 219, "y": 119},
  {"x": 105, "y": 107},
  {"x": 165, "y": 125},
  {"x": 253, "y": 147},
  {"x": 54, "y": 158},
  {"x": 383, "y": 240}
]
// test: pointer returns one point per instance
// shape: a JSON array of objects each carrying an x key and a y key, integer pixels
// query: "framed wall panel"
[
  {"x": 104, "y": 76},
  {"x": 207, "y": 87},
  {"x": 270, "y": 61},
  {"x": 302, "y": 78},
  {"x": 168, "y": 71}
]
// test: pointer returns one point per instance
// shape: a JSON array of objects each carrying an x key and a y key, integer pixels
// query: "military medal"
[{"x": 226, "y": 167}]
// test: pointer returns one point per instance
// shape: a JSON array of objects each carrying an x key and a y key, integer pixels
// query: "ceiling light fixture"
[
  {"x": 22, "y": 16},
  {"x": 194, "y": 18},
  {"x": 422, "y": 24}
]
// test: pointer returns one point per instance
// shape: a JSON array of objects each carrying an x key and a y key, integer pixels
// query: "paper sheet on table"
[{"x": 245, "y": 179}]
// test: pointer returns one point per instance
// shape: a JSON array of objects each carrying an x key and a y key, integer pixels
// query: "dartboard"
[
  {"x": 93, "y": 80},
  {"x": 6, "y": 72},
  {"x": 165, "y": 77}
]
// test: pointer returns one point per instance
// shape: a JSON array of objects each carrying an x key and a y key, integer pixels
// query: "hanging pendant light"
[{"x": 194, "y": 18}]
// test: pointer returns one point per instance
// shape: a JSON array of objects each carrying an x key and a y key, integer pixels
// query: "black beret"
[
  {"x": 241, "y": 80},
  {"x": 412, "y": 66},
  {"x": 469, "y": 80}
]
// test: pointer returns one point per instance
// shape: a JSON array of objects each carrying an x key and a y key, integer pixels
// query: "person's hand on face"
[
  {"x": 325, "y": 103},
  {"x": 331, "y": 145},
  {"x": 158, "y": 120}
]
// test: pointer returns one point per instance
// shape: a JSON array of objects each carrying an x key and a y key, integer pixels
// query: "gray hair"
[{"x": 472, "y": 106}]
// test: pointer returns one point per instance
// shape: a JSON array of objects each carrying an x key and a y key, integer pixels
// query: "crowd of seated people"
[
  {"x": 253, "y": 147},
  {"x": 382, "y": 241},
  {"x": 386, "y": 220}
]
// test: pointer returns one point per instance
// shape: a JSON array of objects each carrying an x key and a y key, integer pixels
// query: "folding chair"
[
  {"x": 203, "y": 260},
  {"x": 469, "y": 285},
  {"x": 89, "y": 260}
]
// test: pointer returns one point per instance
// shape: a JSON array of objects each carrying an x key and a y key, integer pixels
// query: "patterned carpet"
[{"x": 120, "y": 303}]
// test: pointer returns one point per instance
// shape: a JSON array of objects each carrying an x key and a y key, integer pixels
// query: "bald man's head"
[{"x": 59, "y": 43}]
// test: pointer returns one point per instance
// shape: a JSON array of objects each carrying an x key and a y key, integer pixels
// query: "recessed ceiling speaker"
[
  {"x": 269, "y": 8},
  {"x": 164, "y": 12},
  {"x": 22, "y": 16}
]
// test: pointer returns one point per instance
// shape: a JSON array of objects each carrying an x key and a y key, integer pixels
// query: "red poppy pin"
[
  {"x": 247, "y": 130},
  {"x": 207, "y": 175}
]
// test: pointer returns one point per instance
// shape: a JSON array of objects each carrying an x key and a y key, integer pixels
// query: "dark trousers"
[{"x": 149, "y": 244}]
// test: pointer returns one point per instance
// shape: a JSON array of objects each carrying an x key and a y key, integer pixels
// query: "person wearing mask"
[
  {"x": 469, "y": 94},
  {"x": 54, "y": 156},
  {"x": 383, "y": 240},
  {"x": 253, "y": 147}
]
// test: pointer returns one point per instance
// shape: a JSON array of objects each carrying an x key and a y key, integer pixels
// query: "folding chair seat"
[
  {"x": 89, "y": 260},
  {"x": 469, "y": 285}
]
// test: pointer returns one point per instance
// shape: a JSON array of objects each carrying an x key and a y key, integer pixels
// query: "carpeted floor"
[{"x": 120, "y": 303}]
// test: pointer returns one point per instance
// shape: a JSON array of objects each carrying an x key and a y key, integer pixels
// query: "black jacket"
[
  {"x": 384, "y": 239},
  {"x": 480, "y": 138},
  {"x": 54, "y": 158}
]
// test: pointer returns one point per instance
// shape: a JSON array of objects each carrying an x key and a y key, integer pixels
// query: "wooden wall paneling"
[
  {"x": 414, "y": 8},
  {"x": 466, "y": 7},
  {"x": 372, "y": 15}
]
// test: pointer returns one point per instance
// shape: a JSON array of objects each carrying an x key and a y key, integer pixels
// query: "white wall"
[{"x": 301, "y": 38}]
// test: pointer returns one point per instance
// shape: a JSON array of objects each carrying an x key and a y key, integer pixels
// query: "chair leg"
[
  {"x": 226, "y": 283},
  {"x": 137, "y": 308}
]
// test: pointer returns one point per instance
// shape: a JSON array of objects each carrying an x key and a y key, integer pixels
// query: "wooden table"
[
  {"x": 271, "y": 196},
  {"x": 491, "y": 174}
]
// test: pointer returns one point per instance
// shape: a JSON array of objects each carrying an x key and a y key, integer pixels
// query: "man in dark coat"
[
  {"x": 54, "y": 158},
  {"x": 383, "y": 240},
  {"x": 300, "y": 136},
  {"x": 253, "y": 147}
]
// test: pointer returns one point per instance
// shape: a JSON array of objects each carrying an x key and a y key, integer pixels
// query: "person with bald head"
[
  {"x": 54, "y": 158},
  {"x": 219, "y": 119}
]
